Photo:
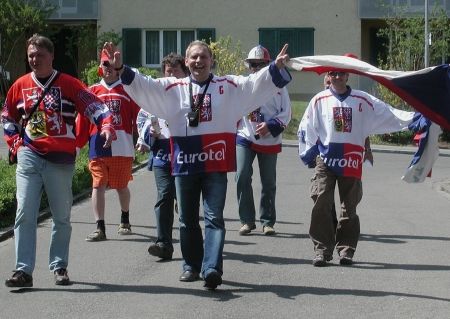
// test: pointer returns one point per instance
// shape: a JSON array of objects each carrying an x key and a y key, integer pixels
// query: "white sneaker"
[
  {"x": 246, "y": 229},
  {"x": 268, "y": 230},
  {"x": 124, "y": 229}
]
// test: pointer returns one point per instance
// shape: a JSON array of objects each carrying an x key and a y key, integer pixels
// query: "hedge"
[{"x": 82, "y": 181}]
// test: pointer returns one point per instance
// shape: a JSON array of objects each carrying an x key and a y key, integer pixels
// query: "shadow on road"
[
  {"x": 237, "y": 290},
  {"x": 398, "y": 239}
]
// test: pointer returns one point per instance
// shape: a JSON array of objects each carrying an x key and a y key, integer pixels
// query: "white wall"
[{"x": 336, "y": 23}]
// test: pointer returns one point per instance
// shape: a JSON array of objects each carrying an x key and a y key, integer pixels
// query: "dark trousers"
[{"x": 165, "y": 185}]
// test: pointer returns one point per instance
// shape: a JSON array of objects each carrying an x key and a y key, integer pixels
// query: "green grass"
[
  {"x": 7, "y": 193},
  {"x": 298, "y": 108},
  {"x": 82, "y": 181}
]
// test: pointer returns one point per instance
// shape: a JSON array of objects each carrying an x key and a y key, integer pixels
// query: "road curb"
[
  {"x": 8, "y": 232},
  {"x": 385, "y": 149}
]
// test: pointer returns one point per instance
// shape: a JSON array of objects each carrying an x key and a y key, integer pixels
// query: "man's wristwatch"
[{"x": 119, "y": 69}]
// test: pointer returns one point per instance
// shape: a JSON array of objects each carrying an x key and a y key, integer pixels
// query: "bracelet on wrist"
[{"x": 119, "y": 69}]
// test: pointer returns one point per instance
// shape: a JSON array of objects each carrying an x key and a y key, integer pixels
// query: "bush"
[
  {"x": 398, "y": 138},
  {"x": 89, "y": 75},
  {"x": 7, "y": 193},
  {"x": 82, "y": 178},
  {"x": 81, "y": 182},
  {"x": 150, "y": 72},
  {"x": 228, "y": 57},
  {"x": 445, "y": 136}
]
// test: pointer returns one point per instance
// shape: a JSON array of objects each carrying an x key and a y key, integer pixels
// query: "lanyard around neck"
[{"x": 195, "y": 106}]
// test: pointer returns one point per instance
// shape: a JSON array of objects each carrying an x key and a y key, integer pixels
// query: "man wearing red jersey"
[
  {"x": 46, "y": 159},
  {"x": 110, "y": 167}
]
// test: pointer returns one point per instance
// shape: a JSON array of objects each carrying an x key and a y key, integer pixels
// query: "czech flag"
[{"x": 426, "y": 90}]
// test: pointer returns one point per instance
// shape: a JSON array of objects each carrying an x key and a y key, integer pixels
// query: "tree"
[
  {"x": 228, "y": 57},
  {"x": 405, "y": 40},
  {"x": 18, "y": 20},
  {"x": 85, "y": 44},
  {"x": 404, "y": 36},
  {"x": 90, "y": 75},
  {"x": 108, "y": 36}
]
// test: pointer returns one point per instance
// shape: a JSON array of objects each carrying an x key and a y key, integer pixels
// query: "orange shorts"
[{"x": 114, "y": 172}]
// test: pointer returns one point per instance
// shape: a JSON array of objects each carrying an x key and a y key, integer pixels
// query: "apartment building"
[{"x": 153, "y": 28}]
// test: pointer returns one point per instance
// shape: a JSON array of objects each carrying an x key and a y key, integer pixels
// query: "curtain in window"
[
  {"x": 152, "y": 47},
  {"x": 186, "y": 38},
  {"x": 169, "y": 42}
]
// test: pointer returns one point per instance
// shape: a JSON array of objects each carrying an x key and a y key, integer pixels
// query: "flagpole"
[{"x": 426, "y": 57}]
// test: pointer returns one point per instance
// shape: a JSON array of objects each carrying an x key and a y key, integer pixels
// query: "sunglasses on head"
[
  {"x": 336, "y": 73},
  {"x": 255, "y": 65}
]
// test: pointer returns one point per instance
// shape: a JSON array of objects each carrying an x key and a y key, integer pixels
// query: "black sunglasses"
[
  {"x": 255, "y": 65},
  {"x": 335, "y": 73}
]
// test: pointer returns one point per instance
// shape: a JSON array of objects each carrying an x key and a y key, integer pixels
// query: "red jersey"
[
  {"x": 50, "y": 132},
  {"x": 124, "y": 112}
]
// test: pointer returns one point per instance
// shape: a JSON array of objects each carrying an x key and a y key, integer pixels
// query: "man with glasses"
[
  {"x": 259, "y": 135},
  {"x": 332, "y": 136}
]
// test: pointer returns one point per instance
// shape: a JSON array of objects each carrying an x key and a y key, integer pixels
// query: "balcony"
[
  {"x": 76, "y": 10},
  {"x": 379, "y": 9}
]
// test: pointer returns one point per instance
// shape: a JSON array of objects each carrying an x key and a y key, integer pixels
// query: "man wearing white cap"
[{"x": 259, "y": 135}]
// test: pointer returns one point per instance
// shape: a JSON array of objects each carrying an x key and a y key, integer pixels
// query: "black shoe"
[
  {"x": 212, "y": 280},
  {"x": 346, "y": 260},
  {"x": 19, "y": 279},
  {"x": 61, "y": 277},
  {"x": 189, "y": 275},
  {"x": 346, "y": 257},
  {"x": 161, "y": 250},
  {"x": 321, "y": 260}
]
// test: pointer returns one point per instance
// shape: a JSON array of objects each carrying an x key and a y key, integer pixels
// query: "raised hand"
[
  {"x": 282, "y": 57},
  {"x": 114, "y": 55}
]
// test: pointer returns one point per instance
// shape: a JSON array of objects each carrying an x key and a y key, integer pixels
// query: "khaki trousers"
[{"x": 322, "y": 230}]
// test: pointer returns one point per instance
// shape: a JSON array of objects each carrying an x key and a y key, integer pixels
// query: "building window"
[
  {"x": 148, "y": 47},
  {"x": 68, "y": 6},
  {"x": 151, "y": 47},
  {"x": 419, "y": 5},
  {"x": 159, "y": 43},
  {"x": 300, "y": 40}
]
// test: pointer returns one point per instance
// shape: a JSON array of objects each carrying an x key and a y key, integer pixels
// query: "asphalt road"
[{"x": 401, "y": 270}]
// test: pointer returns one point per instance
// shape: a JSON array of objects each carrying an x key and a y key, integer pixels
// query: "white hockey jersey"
[
  {"x": 276, "y": 113},
  {"x": 210, "y": 146},
  {"x": 335, "y": 127}
]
